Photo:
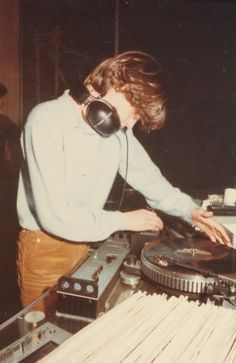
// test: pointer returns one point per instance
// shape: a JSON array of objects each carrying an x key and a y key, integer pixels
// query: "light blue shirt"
[{"x": 68, "y": 171}]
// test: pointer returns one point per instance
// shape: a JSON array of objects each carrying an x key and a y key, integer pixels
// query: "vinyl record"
[{"x": 200, "y": 255}]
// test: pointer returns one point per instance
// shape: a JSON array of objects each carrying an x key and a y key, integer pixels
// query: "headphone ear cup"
[{"x": 102, "y": 118}]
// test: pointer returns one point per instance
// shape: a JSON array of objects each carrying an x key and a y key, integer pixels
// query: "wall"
[{"x": 10, "y": 57}]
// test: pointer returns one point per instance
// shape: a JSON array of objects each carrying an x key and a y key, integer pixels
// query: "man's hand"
[
  {"x": 203, "y": 220},
  {"x": 143, "y": 220}
]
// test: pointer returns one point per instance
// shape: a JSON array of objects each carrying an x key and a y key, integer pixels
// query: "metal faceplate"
[
  {"x": 92, "y": 278},
  {"x": 47, "y": 334}
]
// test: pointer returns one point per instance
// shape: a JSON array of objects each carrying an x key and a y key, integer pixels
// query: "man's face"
[{"x": 126, "y": 112}]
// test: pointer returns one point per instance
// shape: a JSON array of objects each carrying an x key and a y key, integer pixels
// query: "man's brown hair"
[{"x": 139, "y": 76}]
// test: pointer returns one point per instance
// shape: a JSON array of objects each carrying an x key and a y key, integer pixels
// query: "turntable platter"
[{"x": 188, "y": 264}]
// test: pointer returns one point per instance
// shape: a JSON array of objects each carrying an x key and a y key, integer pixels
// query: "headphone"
[
  {"x": 102, "y": 117},
  {"x": 99, "y": 114}
]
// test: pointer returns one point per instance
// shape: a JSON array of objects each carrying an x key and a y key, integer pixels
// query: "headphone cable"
[{"x": 126, "y": 171}]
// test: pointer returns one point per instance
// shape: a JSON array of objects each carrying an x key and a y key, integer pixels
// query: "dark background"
[{"x": 195, "y": 42}]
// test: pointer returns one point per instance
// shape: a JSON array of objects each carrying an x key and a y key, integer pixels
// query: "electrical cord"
[{"x": 126, "y": 171}]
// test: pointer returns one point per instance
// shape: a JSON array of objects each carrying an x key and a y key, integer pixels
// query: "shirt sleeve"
[
  {"x": 144, "y": 176},
  {"x": 44, "y": 173}
]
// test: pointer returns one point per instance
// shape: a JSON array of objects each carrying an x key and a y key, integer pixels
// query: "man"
[
  {"x": 9, "y": 166},
  {"x": 71, "y": 161},
  {"x": 9, "y": 169},
  {"x": 9, "y": 136}
]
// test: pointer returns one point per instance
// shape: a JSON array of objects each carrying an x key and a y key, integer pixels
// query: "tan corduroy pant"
[{"x": 42, "y": 260}]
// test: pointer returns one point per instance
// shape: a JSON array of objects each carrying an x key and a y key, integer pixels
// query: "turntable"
[{"x": 190, "y": 265}]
